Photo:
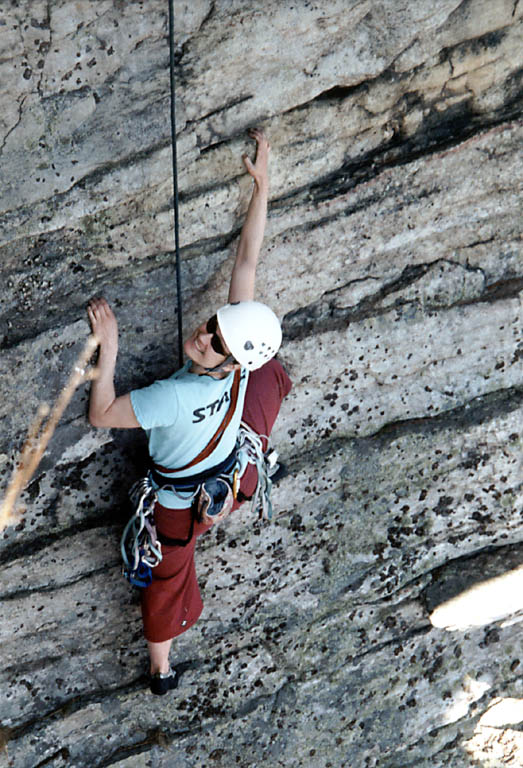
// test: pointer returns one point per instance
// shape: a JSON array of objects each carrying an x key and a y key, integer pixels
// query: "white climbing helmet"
[{"x": 251, "y": 331}]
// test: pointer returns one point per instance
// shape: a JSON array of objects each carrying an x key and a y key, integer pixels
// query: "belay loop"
[{"x": 141, "y": 550}]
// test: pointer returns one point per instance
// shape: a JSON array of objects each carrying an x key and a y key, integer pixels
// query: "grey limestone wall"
[{"x": 393, "y": 255}]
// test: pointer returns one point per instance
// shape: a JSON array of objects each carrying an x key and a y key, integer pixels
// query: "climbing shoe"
[
  {"x": 276, "y": 470},
  {"x": 162, "y": 683}
]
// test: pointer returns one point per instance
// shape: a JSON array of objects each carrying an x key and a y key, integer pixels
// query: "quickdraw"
[
  {"x": 141, "y": 550},
  {"x": 250, "y": 444}
]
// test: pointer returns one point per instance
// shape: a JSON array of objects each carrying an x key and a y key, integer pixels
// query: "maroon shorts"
[{"x": 172, "y": 603}]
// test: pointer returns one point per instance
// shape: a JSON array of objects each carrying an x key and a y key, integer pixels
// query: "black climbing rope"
[{"x": 175, "y": 184}]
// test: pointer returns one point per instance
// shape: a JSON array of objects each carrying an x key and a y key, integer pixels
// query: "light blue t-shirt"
[{"x": 180, "y": 416}]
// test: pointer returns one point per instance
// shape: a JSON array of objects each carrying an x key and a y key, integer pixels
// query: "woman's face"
[{"x": 200, "y": 347}]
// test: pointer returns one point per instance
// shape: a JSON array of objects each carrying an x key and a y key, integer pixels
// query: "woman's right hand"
[{"x": 259, "y": 170}]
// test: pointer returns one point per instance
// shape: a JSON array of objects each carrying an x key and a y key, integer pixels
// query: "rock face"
[{"x": 393, "y": 255}]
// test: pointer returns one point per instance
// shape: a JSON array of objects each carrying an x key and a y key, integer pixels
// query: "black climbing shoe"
[
  {"x": 277, "y": 473},
  {"x": 276, "y": 470},
  {"x": 161, "y": 684}
]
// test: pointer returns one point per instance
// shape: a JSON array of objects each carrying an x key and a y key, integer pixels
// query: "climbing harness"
[
  {"x": 140, "y": 547},
  {"x": 175, "y": 183},
  {"x": 211, "y": 499},
  {"x": 211, "y": 495}
]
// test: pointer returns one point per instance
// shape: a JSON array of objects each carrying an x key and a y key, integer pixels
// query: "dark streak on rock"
[
  {"x": 424, "y": 629},
  {"x": 208, "y": 16},
  {"x": 62, "y": 753},
  {"x": 475, "y": 45},
  {"x": 225, "y": 107},
  {"x": 92, "y": 178},
  {"x": 499, "y": 291},
  {"x": 35, "y": 665},
  {"x": 440, "y": 129},
  {"x": 21, "y": 593},
  {"x": 323, "y": 315},
  {"x": 76, "y": 703},
  {"x": 29, "y": 324},
  {"x": 479, "y": 410},
  {"x": 154, "y": 737},
  {"x": 33, "y": 545}
]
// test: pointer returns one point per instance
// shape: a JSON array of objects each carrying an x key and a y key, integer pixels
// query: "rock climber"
[{"x": 183, "y": 413}]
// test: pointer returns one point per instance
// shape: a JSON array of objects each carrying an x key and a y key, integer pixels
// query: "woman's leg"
[
  {"x": 159, "y": 656},
  {"x": 266, "y": 389}
]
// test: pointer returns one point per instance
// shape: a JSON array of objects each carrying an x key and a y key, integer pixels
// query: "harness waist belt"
[{"x": 191, "y": 482}]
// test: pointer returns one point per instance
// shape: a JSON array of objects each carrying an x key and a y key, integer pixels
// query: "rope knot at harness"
[{"x": 140, "y": 547}]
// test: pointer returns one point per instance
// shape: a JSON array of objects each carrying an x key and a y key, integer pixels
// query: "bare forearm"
[
  {"x": 105, "y": 409},
  {"x": 249, "y": 246},
  {"x": 251, "y": 237},
  {"x": 102, "y": 388}
]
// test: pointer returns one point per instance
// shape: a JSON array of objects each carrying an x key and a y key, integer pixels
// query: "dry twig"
[{"x": 39, "y": 435}]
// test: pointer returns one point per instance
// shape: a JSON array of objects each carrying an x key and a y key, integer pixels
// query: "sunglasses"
[{"x": 216, "y": 342}]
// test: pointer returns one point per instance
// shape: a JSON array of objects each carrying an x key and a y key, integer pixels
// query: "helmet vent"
[{"x": 248, "y": 345}]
